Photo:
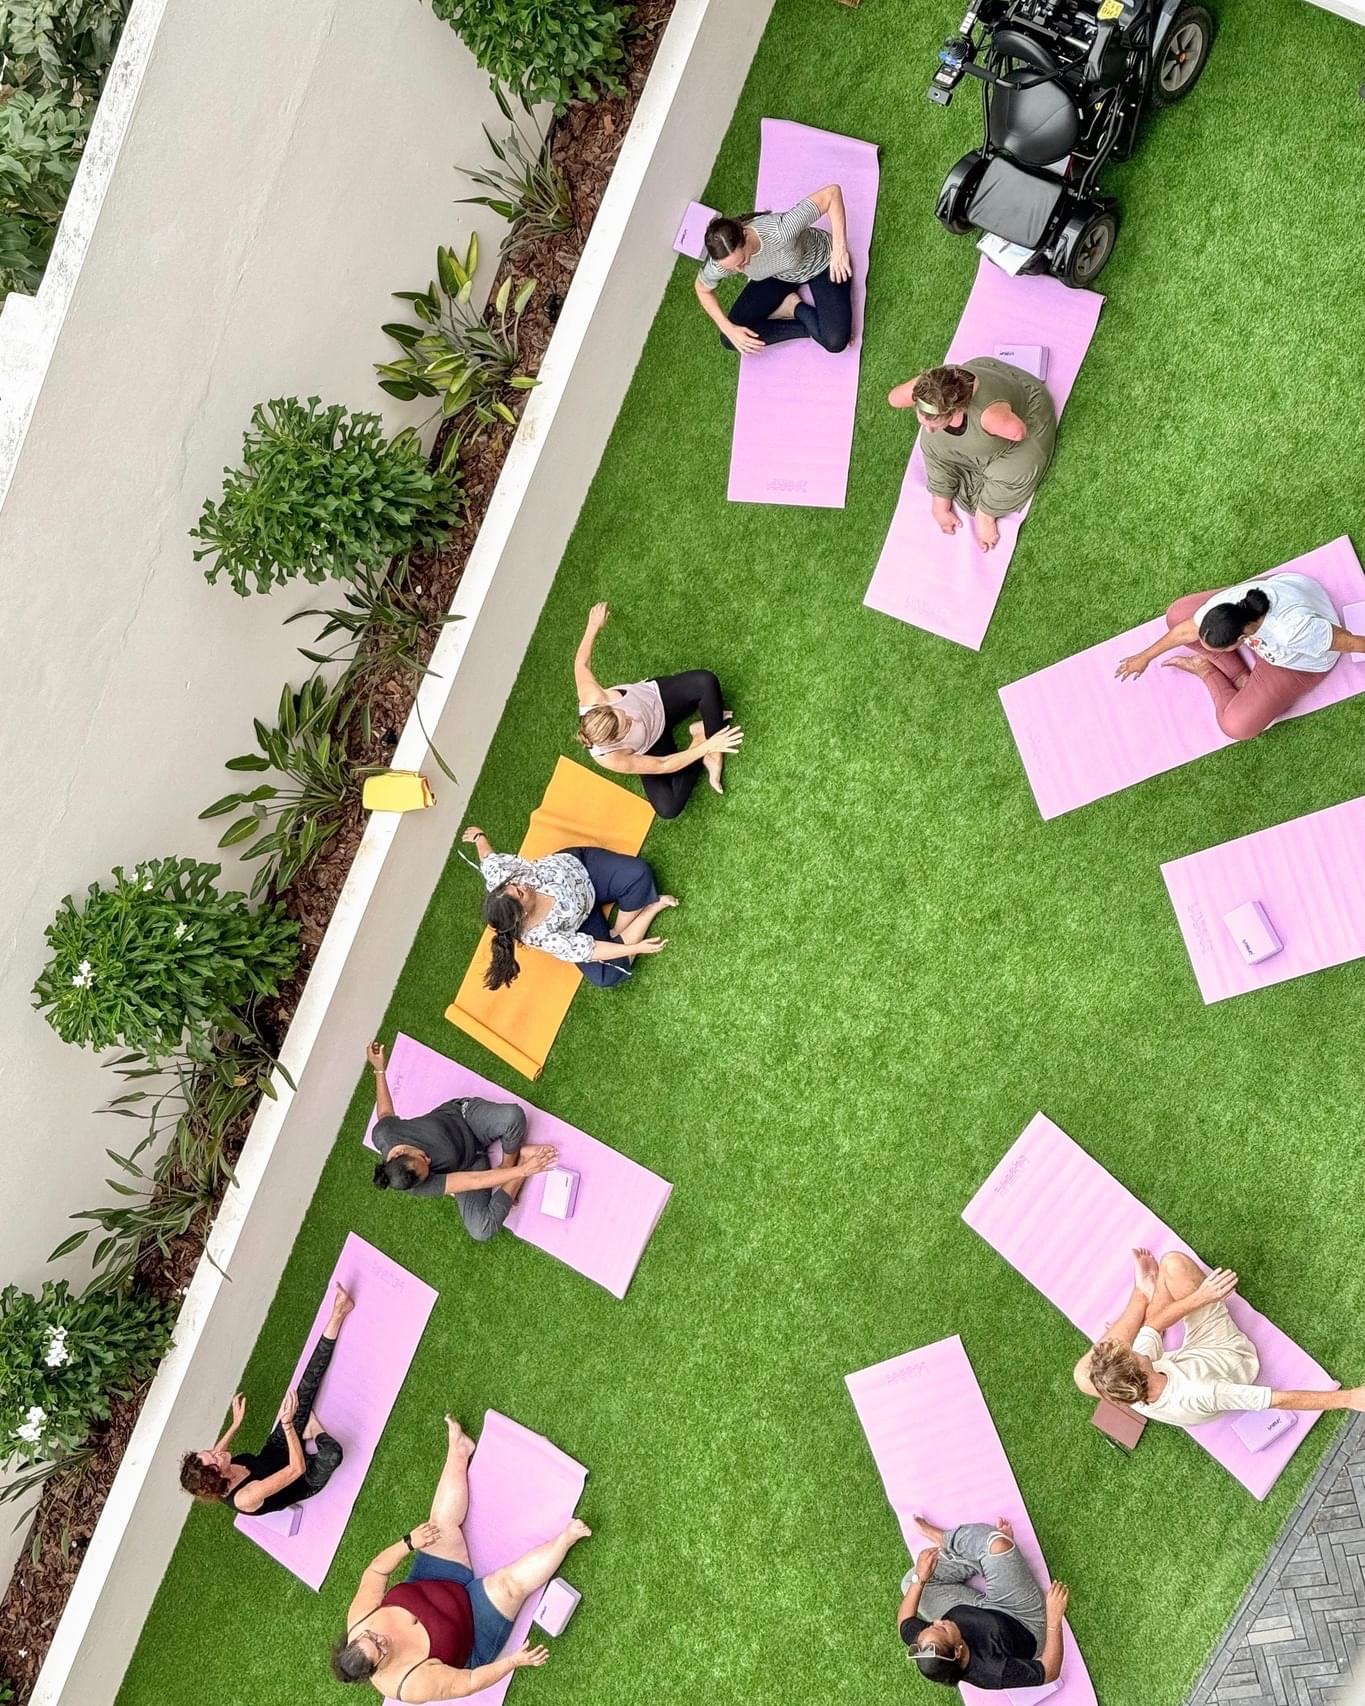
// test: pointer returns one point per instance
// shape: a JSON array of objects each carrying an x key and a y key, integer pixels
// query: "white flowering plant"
[
  {"x": 159, "y": 958},
  {"x": 63, "y": 1357}
]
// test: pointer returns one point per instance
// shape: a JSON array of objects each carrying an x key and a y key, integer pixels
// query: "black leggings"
[
  {"x": 829, "y": 322},
  {"x": 274, "y": 1454},
  {"x": 696, "y": 690}
]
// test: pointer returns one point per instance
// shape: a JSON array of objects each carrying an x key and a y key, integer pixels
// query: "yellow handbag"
[{"x": 397, "y": 791}]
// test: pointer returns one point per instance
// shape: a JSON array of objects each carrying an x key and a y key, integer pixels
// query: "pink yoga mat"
[
  {"x": 937, "y": 1452},
  {"x": 522, "y": 1490},
  {"x": 946, "y": 583},
  {"x": 1069, "y": 1228},
  {"x": 619, "y": 1201},
  {"x": 374, "y": 1352},
  {"x": 1305, "y": 873},
  {"x": 1082, "y": 734},
  {"x": 794, "y": 411}
]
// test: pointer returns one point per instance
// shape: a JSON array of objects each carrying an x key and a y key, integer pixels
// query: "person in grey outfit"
[
  {"x": 444, "y": 1153},
  {"x": 1005, "y": 1635}
]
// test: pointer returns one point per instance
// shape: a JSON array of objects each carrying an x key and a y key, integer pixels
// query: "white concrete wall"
[
  {"x": 697, "y": 76},
  {"x": 259, "y": 179}
]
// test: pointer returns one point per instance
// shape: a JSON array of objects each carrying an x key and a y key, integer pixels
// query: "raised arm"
[
  {"x": 230, "y": 1432},
  {"x": 259, "y": 1491},
  {"x": 830, "y": 200},
  {"x": 383, "y": 1101},
  {"x": 446, "y": 1682},
  {"x": 374, "y": 1582},
  {"x": 1058, "y": 1598},
  {"x": 586, "y": 684},
  {"x": 1183, "y": 634}
]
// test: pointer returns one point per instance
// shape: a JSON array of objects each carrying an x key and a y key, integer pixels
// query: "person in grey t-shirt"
[
  {"x": 445, "y": 1152},
  {"x": 778, "y": 253}
]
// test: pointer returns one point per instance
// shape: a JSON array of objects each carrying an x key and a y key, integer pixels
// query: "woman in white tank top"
[{"x": 629, "y": 730}]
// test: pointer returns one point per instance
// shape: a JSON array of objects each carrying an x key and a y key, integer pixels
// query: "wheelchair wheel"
[
  {"x": 1182, "y": 55},
  {"x": 1093, "y": 246}
]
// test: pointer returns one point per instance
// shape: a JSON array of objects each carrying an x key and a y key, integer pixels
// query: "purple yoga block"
[
  {"x": 1253, "y": 932},
  {"x": 557, "y": 1605},
  {"x": 693, "y": 229},
  {"x": 1258, "y": 1428},
  {"x": 285, "y": 1522},
  {"x": 560, "y": 1193},
  {"x": 1031, "y": 357}
]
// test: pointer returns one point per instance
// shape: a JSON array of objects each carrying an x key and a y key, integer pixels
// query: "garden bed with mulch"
[{"x": 585, "y": 144}]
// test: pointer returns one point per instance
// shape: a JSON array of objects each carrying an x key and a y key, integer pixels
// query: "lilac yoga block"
[
  {"x": 561, "y": 1193},
  {"x": 1253, "y": 932},
  {"x": 557, "y": 1605}
]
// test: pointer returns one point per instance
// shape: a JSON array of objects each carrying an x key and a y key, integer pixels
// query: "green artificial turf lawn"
[{"x": 885, "y": 962}]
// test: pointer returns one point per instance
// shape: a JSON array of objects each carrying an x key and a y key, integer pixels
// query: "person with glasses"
[
  {"x": 1212, "y": 1373},
  {"x": 1007, "y": 1634},
  {"x": 987, "y": 431}
]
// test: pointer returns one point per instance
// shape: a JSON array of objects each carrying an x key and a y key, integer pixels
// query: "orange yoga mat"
[{"x": 520, "y": 1021}]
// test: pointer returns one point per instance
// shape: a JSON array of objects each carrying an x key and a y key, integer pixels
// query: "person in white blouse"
[
  {"x": 559, "y": 904},
  {"x": 1286, "y": 621},
  {"x": 1212, "y": 1373}
]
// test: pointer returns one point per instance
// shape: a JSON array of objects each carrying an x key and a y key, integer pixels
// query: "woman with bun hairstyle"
[
  {"x": 1288, "y": 624},
  {"x": 559, "y": 905}
]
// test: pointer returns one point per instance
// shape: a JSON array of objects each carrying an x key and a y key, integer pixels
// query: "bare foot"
[
  {"x": 713, "y": 764},
  {"x": 786, "y": 309},
  {"x": 458, "y": 1437},
  {"x": 930, "y": 1530},
  {"x": 1004, "y": 1526},
  {"x": 1144, "y": 1272},
  {"x": 1191, "y": 666},
  {"x": 577, "y": 1530},
  {"x": 666, "y": 900}
]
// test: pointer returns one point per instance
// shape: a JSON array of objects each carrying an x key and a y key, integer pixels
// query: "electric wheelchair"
[{"x": 1064, "y": 84}]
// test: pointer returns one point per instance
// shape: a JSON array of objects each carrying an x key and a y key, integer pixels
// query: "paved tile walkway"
[{"x": 1299, "y": 1635}]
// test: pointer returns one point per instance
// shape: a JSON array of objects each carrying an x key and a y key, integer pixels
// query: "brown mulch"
[{"x": 585, "y": 144}]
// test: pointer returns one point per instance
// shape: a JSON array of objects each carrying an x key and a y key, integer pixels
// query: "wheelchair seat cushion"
[
  {"x": 1034, "y": 126},
  {"x": 1012, "y": 204}
]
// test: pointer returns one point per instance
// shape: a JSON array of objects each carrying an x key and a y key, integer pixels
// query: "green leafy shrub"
[
  {"x": 289, "y": 826},
  {"x": 466, "y": 359},
  {"x": 160, "y": 957},
  {"x": 543, "y": 50},
  {"x": 529, "y": 190},
  {"x": 63, "y": 1357},
  {"x": 193, "y": 1110},
  {"x": 322, "y": 492},
  {"x": 54, "y": 55}
]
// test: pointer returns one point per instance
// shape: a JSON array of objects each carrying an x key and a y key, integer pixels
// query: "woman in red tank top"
[{"x": 438, "y": 1634}]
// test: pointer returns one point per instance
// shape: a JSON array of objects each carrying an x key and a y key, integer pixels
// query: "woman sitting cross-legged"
[
  {"x": 281, "y": 1473},
  {"x": 438, "y": 1634},
  {"x": 987, "y": 431},
  {"x": 777, "y": 253},
  {"x": 630, "y": 729},
  {"x": 444, "y": 1153},
  {"x": 1211, "y": 1374},
  {"x": 1007, "y": 1636},
  {"x": 1286, "y": 620},
  {"x": 556, "y": 904}
]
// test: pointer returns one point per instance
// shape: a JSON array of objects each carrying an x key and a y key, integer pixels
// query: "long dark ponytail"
[
  {"x": 503, "y": 914},
  {"x": 1226, "y": 623},
  {"x": 724, "y": 236}
]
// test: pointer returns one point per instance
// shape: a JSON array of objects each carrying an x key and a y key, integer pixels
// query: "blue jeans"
[
  {"x": 617, "y": 880},
  {"x": 491, "y": 1628}
]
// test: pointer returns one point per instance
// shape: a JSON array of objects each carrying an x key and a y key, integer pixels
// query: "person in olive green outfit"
[{"x": 986, "y": 431}]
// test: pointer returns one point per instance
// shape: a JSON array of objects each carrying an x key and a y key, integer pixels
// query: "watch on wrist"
[
  {"x": 914, "y": 1578},
  {"x": 407, "y": 1541}
]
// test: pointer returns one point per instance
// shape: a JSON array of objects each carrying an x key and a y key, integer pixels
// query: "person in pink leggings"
[{"x": 1286, "y": 621}]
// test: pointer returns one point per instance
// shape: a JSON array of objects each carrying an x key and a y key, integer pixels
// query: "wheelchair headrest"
[{"x": 1014, "y": 44}]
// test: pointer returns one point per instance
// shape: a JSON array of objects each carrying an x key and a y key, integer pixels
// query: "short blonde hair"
[
  {"x": 1116, "y": 1373},
  {"x": 599, "y": 725}
]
